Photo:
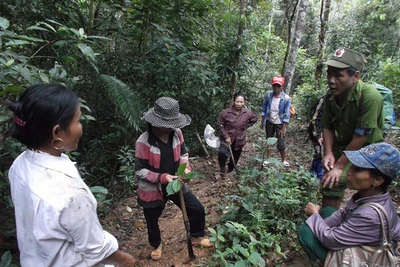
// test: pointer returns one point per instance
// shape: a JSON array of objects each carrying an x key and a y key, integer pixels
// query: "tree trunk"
[
  {"x": 324, "y": 17},
  {"x": 271, "y": 19},
  {"x": 290, "y": 14},
  {"x": 236, "y": 54},
  {"x": 291, "y": 63},
  {"x": 91, "y": 17}
]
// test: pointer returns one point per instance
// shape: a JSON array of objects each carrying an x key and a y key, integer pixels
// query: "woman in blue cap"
[{"x": 373, "y": 169}]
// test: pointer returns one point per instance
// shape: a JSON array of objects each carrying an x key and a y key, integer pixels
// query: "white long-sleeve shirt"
[{"x": 55, "y": 212}]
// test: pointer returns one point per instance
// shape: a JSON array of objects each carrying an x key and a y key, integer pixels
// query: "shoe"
[
  {"x": 286, "y": 164},
  {"x": 201, "y": 241},
  {"x": 266, "y": 163},
  {"x": 157, "y": 253}
]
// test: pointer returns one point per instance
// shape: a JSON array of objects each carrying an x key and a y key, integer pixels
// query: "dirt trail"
[
  {"x": 127, "y": 223},
  {"x": 130, "y": 229}
]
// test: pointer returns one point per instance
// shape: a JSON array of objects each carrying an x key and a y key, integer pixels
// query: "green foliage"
[
  {"x": 20, "y": 59},
  {"x": 100, "y": 194},
  {"x": 263, "y": 215},
  {"x": 362, "y": 26},
  {"x": 181, "y": 169},
  {"x": 174, "y": 186},
  {"x": 243, "y": 249},
  {"x": 126, "y": 100},
  {"x": 126, "y": 158},
  {"x": 8, "y": 152},
  {"x": 306, "y": 97},
  {"x": 182, "y": 49},
  {"x": 5, "y": 260},
  {"x": 388, "y": 74}
]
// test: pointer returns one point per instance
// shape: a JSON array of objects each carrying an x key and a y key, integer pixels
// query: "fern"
[{"x": 126, "y": 100}]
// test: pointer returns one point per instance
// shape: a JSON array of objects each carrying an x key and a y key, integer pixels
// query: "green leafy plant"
[
  {"x": 174, "y": 186},
  {"x": 129, "y": 105},
  {"x": 5, "y": 260},
  {"x": 262, "y": 145},
  {"x": 243, "y": 249},
  {"x": 263, "y": 217},
  {"x": 126, "y": 158}
]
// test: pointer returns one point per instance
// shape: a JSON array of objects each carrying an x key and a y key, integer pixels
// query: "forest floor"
[{"x": 127, "y": 222}]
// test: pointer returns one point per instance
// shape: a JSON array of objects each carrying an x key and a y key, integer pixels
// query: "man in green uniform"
[{"x": 352, "y": 118}]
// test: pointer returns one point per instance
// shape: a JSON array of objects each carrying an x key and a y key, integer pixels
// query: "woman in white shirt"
[{"x": 55, "y": 212}]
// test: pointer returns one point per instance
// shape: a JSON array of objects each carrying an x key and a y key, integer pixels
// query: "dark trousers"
[
  {"x": 316, "y": 165},
  {"x": 224, "y": 153},
  {"x": 195, "y": 212},
  {"x": 273, "y": 130}
]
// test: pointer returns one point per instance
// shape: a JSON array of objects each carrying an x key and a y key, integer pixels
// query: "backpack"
[
  {"x": 388, "y": 111},
  {"x": 291, "y": 109},
  {"x": 387, "y": 97}
]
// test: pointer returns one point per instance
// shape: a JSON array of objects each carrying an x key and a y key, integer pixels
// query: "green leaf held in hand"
[
  {"x": 173, "y": 187},
  {"x": 181, "y": 169}
]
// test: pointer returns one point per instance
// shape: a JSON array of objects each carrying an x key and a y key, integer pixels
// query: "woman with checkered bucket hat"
[
  {"x": 159, "y": 152},
  {"x": 372, "y": 170}
]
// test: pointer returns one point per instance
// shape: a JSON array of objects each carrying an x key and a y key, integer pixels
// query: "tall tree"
[
  {"x": 290, "y": 15},
  {"x": 236, "y": 54},
  {"x": 294, "y": 47},
  {"x": 324, "y": 17}
]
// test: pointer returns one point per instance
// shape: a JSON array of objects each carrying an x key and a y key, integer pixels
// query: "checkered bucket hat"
[
  {"x": 381, "y": 156},
  {"x": 165, "y": 114}
]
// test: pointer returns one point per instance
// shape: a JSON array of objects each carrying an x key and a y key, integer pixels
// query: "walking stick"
[
  {"x": 187, "y": 226},
  {"x": 233, "y": 160}
]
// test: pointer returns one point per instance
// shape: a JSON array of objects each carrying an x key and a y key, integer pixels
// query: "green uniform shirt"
[{"x": 344, "y": 120}]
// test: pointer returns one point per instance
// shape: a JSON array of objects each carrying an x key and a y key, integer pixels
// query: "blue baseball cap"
[{"x": 381, "y": 156}]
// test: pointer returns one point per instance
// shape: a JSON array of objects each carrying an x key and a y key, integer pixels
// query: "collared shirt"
[
  {"x": 284, "y": 106},
  {"x": 55, "y": 213},
  {"x": 353, "y": 226},
  {"x": 344, "y": 120},
  {"x": 235, "y": 125}
]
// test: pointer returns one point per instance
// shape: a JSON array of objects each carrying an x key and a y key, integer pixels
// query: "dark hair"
[
  {"x": 351, "y": 71},
  {"x": 41, "y": 107},
  {"x": 149, "y": 127},
  {"x": 375, "y": 173},
  {"x": 236, "y": 95}
]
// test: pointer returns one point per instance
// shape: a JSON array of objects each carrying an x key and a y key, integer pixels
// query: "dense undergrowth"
[{"x": 262, "y": 214}]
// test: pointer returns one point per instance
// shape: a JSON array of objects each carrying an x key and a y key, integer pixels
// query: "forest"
[{"x": 119, "y": 56}]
